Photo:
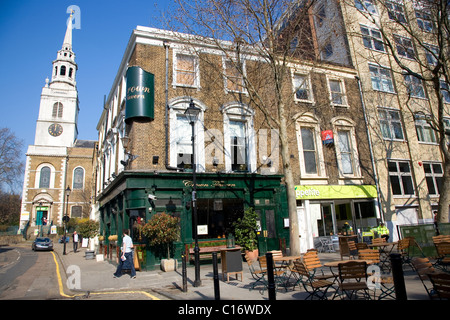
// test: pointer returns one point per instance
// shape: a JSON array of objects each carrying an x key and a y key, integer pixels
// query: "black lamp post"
[
  {"x": 191, "y": 114},
  {"x": 66, "y": 217}
]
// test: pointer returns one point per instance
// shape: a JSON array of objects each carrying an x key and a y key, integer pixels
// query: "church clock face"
[{"x": 55, "y": 129}]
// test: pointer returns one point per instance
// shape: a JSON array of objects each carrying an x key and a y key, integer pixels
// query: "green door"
[
  {"x": 39, "y": 215},
  {"x": 267, "y": 236}
]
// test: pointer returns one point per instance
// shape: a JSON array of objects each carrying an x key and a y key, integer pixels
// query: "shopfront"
[
  {"x": 133, "y": 197},
  {"x": 324, "y": 210}
]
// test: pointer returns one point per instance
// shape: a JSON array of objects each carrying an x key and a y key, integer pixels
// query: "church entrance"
[{"x": 41, "y": 216}]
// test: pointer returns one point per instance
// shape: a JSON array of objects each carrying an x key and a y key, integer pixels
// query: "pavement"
[{"x": 89, "y": 279}]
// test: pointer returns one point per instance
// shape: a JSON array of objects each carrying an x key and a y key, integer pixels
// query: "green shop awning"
[{"x": 316, "y": 192}]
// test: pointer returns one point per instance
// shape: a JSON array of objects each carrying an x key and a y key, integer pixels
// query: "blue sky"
[{"x": 31, "y": 33}]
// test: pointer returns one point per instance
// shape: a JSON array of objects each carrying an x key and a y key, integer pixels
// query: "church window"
[
  {"x": 78, "y": 178},
  {"x": 57, "y": 110},
  {"x": 44, "y": 181},
  {"x": 56, "y": 71},
  {"x": 70, "y": 72},
  {"x": 77, "y": 212},
  {"x": 63, "y": 71}
]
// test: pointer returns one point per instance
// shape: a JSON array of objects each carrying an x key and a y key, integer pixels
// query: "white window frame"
[
  {"x": 177, "y": 108},
  {"x": 73, "y": 178},
  {"x": 38, "y": 175},
  {"x": 365, "y": 5},
  {"x": 425, "y": 133},
  {"x": 348, "y": 126},
  {"x": 423, "y": 22},
  {"x": 414, "y": 86},
  {"x": 400, "y": 175},
  {"x": 306, "y": 82},
  {"x": 389, "y": 122},
  {"x": 196, "y": 70},
  {"x": 308, "y": 120},
  {"x": 342, "y": 92},
  {"x": 445, "y": 90},
  {"x": 382, "y": 78},
  {"x": 404, "y": 47},
  {"x": 372, "y": 37},
  {"x": 433, "y": 176},
  {"x": 239, "y": 78},
  {"x": 396, "y": 9},
  {"x": 431, "y": 52},
  {"x": 241, "y": 113}
]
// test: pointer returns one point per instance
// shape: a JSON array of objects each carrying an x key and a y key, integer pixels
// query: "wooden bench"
[{"x": 206, "y": 248}]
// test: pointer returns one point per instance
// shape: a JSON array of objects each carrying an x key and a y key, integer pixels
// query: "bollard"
[
  {"x": 270, "y": 277},
  {"x": 183, "y": 272},
  {"x": 397, "y": 274},
  {"x": 216, "y": 277}
]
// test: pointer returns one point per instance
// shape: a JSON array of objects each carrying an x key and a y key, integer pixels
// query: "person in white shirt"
[
  {"x": 75, "y": 241},
  {"x": 126, "y": 258}
]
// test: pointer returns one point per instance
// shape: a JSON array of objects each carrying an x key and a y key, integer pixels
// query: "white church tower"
[
  {"x": 58, "y": 160},
  {"x": 58, "y": 112}
]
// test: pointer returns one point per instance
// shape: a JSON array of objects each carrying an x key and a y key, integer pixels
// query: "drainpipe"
[
  {"x": 375, "y": 176},
  {"x": 166, "y": 120}
]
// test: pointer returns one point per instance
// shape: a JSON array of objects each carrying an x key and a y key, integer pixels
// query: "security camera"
[{"x": 151, "y": 197}]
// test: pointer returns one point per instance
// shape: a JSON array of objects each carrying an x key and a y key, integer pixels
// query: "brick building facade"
[{"x": 145, "y": 162}]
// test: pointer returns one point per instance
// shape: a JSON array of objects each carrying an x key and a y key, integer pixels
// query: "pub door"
[{"x": 267, "y": 235}]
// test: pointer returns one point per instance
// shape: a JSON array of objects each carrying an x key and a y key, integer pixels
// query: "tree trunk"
[
  {"x": 444, "y": 199},
  {"x": 289, "y": 181}
]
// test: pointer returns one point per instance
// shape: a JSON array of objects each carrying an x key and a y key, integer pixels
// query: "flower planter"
[{"x": 168, "y": 265}]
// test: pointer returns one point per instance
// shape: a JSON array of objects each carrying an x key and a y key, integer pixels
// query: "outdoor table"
[
  {"x": 285, "y": 260},
  {"x": 385, "y": 249}
]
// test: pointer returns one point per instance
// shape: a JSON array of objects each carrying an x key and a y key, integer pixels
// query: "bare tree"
[
  {"x": 266, "y": 34},
  {"x": 419, "y": 29},
  {"x": 11, "y": 168},
  {"x": 9, "y": 208}
]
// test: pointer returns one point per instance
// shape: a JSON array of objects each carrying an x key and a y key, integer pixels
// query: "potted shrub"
[
  {"x": 88, "y": 229},
  {"x": 162, "y": 230},
  {"x": 245, "y": 229}
]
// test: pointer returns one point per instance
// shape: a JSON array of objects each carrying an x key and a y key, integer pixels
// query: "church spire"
[
  {"x": 64, "y": 67},
  {"x": 68, "y": 37}
]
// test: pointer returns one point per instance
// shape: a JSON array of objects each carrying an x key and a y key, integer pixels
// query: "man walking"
[{"x": 126, "y": 258}]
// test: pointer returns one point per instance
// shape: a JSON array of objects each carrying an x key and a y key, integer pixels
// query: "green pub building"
[{"x": 148, "y": 149}]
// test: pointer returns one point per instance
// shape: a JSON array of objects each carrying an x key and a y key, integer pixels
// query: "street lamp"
[
  {"x": 66, "y": 217},
  {"x": 192, "y": 114}
]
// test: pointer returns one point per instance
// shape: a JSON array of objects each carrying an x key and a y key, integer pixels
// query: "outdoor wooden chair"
[
  {"x": 378, "y": 240},
  {"x": 384, "y": 282},
  {"x": 313, "y": 286},
  {"x": 443, "y": 256},
  {"x": 353, "y": 278},
  {"x": 313, "y": 264},
  {"x": 371, "y": 255},
  {"x": 257, "y": 274},
  {"x": 424, "y": 268},
  {"x": 279, "y": 275},
  {"x": 441, "y": 285},
  {"x": 404, "y": 247},
  {"x": 361, "y": 246},
  {"x": 353, "y": 250},
  {"x": 278, "y": 264},
  {"x": 441, "y": 238}
]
